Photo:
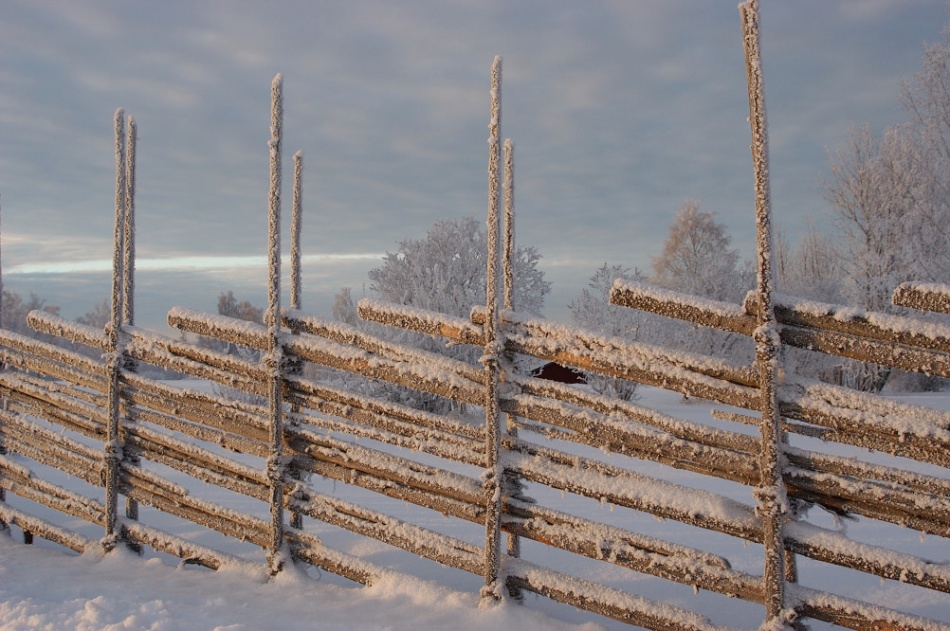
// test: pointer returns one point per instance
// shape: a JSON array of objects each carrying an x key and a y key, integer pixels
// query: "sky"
[{"x": 620, "y": 111}]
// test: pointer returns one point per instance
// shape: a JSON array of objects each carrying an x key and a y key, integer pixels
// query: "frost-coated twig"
[
  {"x": 113, "y": 448},
  {"x": 773, "y": 503},
  {"x": 494, "y": 471},
  {"x": 273, "y": 359}
]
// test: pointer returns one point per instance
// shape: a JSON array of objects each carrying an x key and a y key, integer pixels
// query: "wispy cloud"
[{"x": 185, "y": 263}]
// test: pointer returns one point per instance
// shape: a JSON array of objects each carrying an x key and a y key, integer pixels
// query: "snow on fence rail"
[{"x": 110, "y": 431}]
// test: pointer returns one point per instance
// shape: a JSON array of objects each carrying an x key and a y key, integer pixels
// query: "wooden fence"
[{"x": 109, "y": 429}]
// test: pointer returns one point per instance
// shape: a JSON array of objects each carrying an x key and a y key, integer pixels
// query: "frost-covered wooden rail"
[{"x": 98, "y": 420}]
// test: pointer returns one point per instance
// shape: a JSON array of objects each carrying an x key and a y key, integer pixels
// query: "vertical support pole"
[
  {"x": 273, "y": 359},
  {"x": 128, "y": 286},
  {"x": 513, "y": 484},
  {"x": 493, "y": 474},
  {"x": 773, "y": 504},
  {"x": 113, "y": 449},
  {"x": 296, "y": 286},
  {"x": 3, "y": 451}
]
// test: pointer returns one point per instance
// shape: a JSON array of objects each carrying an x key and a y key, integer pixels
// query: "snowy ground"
[{"x": 45, "y": 587}]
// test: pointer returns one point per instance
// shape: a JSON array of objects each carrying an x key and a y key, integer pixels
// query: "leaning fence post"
[
  {"x": 773, "y": 503},
  {"x": 273, "y": 359},
  {"x": 112, "y": 455},
  {"x": 494, "y": 471}
]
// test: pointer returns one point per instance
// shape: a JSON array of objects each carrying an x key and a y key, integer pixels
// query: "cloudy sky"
[{"x": 620, "y": 111}]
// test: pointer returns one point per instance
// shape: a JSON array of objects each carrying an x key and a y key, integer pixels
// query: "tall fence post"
[
  {"x": 296, "y": 288},
  {"x": 112, "y": 455},
  {"x": 513, "y": 485},
  {"x": 773, "y": 502},
  {"x": 273, "y": 358},
  {"x": 128, "y": 287},
  {"x": 3, "y": 451},
  {"x": 494, "y": 470}
]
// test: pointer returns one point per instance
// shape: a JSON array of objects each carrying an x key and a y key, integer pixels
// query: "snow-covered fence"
[{"x": 79, "y": 430}]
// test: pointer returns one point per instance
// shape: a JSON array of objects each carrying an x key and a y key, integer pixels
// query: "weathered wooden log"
[
  {"x": 51, "y": 449},
  {"x": 836, "y": 548},
  {"x": 19, "y": 480},
  {"x": 923, "y": 512},
  {"x": 198, "y": 463},
  {"x": 855, "y": 614},
  {"x": 383, "y": 465},
  {"x": 350, "y": 359},
  {"x": 422, "y": 321},
  {"x": 308, "y": 548},
  {"x": 679, "y": 306},
  {"x": 923, "y": 296},
  {"x": 696, "y": 432},
  {"x": 631, "y": 550},
  {"x": 603, "y": 600},
  {"x": 873, "y": 325},
  {"x": 231, "y": 523},
  {"x": 622, "y": 487},
  {"x": 636, "y": 441},
  {"x": 888, "y": 477},
  {"x": 187, "y": 551},
  {"x": 42, "y": 528},
  {"x": 884, "y": 353},
  {"x": 415, "y": 539},
  {"x": 648, "y": 369},
  {"x": 907, "y": 430},
  {"x": 389, "y": 487},
  {"x": 389, "y": 431},
  {"x": 384, "y": 408},
  {"x": 351, "y": 336}
]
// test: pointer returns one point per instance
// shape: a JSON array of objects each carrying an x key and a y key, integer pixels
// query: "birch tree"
[{"x": 696, "y": 259}]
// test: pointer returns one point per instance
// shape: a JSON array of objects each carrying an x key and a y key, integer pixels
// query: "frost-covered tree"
[
  {"x": 873, "y": 193},
  {"x": 812, "y": 270},
  {"x": 696, "y": 259},
  {"x": 15, "y": 310},
  {"x": 927, "y": 98},
  {"x": 99, "y": 316},
  {"x": 592, "y": 310},
  {"x": 444, "y": 271},
  {"x": 229, "y": 306},
  {"x": 876, "y": 192}
]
